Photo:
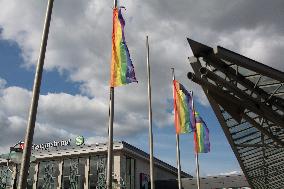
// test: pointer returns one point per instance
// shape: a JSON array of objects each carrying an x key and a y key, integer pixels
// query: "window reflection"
[
  {"x": 73, "y": 173},
  {"x": 97, "y": 175},
  {"x": 30, "y": 180},
  {"x": 129, "y": 173},
  {"x": 48, "y": 175},
  {"x": 6, "y": 177}
]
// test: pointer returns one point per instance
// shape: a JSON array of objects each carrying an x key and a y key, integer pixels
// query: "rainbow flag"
[
  {"x": 122, "y": 69},
  {"x": 182, "y": 109},
  {"x": 201, "y": 135}
]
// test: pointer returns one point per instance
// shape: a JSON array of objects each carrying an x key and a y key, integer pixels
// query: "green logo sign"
[{"x": 79, "y": 140}]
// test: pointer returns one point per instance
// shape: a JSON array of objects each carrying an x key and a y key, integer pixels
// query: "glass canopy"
[{"x": 248, "y": 100}]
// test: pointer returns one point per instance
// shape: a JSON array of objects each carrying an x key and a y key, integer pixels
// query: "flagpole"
[
  {"x": 110, "y": 140},
  {"x": 178, "y": 162},
  {"x": 197, "y": 170},
  {"x": 110, "y": 134},
  {"x": 196, "y": 153},
  {"x": 150, "y": 119},
  {"x": 34, "y": 103},
  {"x": 177, "y": 147}
]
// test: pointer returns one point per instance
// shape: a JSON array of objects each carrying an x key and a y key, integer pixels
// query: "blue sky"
[
  {"x": 75, "y": 91},
  {"x": 16, "y": 74}
]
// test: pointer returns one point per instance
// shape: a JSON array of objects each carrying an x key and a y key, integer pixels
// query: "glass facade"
[
  {"x": 6, "y": 177},
  {"x": 73, "y": 173},
  {"x": 97, "y": 174},
  {"x": 129, "y": 173},
  {"x": 31, "y": 176},
  {"x": 48, "y": 175}
]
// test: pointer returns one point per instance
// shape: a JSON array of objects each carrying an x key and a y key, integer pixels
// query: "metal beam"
[
  {"x": 249, "y": 63},
  {"x": 244, "y": 103},
  {"x": 273, "y": 159},
  {"x": 246, "y": 156},
  {"x": 262, "y": 106},
  {"x": 252, "y": 140},
  {"x": 196, "y": 66},
  {"x": 249, "y": 135},
  {"x": 264, "y": 159},
  {"x": 199, "y": 49},
  {"x": 207, "y": 53},
  {"x": 257, "y": 146},
  {"x": 220, "y": 65},
  {"x": 247, "y": 150},
  {"x": 252, "y": 167},
  {"x": 263, "y": 130},
  {"x": 252, "y": 163},
  {"x": 241, "y": 130}
]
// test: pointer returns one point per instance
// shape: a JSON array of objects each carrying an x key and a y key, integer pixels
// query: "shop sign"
[
  {"x": 79, "y": 140},
  {"x": 47, "y": 145}
]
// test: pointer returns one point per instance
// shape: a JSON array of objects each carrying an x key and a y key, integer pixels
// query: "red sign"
[{"x": 22, "y": 145}]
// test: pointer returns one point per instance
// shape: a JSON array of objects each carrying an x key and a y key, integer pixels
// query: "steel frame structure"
[{"x": 248, "y": 100}]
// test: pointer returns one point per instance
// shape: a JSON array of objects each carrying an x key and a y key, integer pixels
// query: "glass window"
[
  {"x": 97, "y": 174},
  {"x": 48, "y": 175},
  {"x": 6, "y": 177},
  {"x": 73, "y": 173},
  {"x": 129, "y": 172},
  {"x": 30, "y": 180},
  {"x": 144, "y": 181}
]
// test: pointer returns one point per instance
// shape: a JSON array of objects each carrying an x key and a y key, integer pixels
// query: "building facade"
[{"x": 84, "y": 167}]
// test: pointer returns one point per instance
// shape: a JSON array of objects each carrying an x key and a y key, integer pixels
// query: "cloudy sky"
[{"x": 75, "y": 90}]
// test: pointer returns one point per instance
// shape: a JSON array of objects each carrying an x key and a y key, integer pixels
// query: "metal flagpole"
[
  {"x": 150, "y": 119},
  {"x": 110, "y": 140},
  {"x": 110, "y": 134},
  {"x": 34, "y": 103},
  {"x": 177, "y": 144},
  {"x": 197, "y": 170},
  {"x": 178, "y": 161},
  {"x": 196, "y": 153}
]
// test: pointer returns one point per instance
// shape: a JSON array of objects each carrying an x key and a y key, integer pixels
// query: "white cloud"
[
  {"x": 2, "y": 83},
  {"x": 237, "y": 172},
  {"x": 59, "y": 116},
  {"x": 95, "y": 139},
  {"x": 62, "y": 116},
  {"x": 258, "y": 44},
  {"x": 234, "y": 172},
  {"x": 11, "y": 95}
]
